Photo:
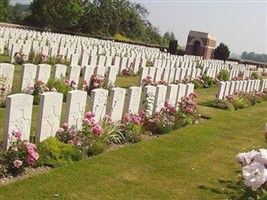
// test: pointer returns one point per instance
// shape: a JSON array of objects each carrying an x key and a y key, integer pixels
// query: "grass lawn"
[{"x": 196, "y": 162}]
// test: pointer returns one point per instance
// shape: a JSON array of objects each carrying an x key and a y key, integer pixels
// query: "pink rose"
[
  {"x": 142, "y": 114},
  {"x": 97, "y": 130},
  {"x": 30, "y": 160},
  {"x": 73, "y": 132},
  {"x": 65, "y": 125},
  {"x": 89, "y": 115},
  {"x": 126, "y": 118},
  {"x": 60, "y": 131},
  {"x": 71, "y": 142},
  {"x": 35, "y": 155},
  {"x": 17, "y": 163},
  {"x": 17, "y": 134},
  {"x": 107, "y": 118}
]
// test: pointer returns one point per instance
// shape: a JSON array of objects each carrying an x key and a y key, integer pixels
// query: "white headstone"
[
  {"x": 148, "y": 97},
  {"x": 28, "y": 76},
  {"x": 74, "y": 73},
  {"x": 172, "y": 90},
  {"x": 18, "y": 117},
  {"x": 189, "y": 89},
  {"x": 75, "y": 108},
  {"x": 132, "y": 100},
  {"x": 60, "y": 70},
  {"x": 7, "y": 71},
  {"x": 112, "y": 72},
  {"x": 49, "y": 115},
  {"x": 160, "y": 97},
  {"x": 43, "y": 72},
  {"x": 98, "y": 103},
  {"x": 220, "y": 94},
  {"x": 181, "y": 92},
  {"x": 116, "y": 103}
]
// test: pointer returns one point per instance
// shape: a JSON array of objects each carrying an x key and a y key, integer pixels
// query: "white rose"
[
  {"x": 247, "y": 157},
  {"x": 255, "y": 175},
  {"x": 261, "y": 157}
]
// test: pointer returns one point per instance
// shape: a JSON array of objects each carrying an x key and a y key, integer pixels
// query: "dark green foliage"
[
  {"x": 4, "y": 10},
  {"x": 222, "y": 52},
  {"x": 55, "y": 153},
  {"x": 56, "y": 15},
  {"x": 221, "y": 104}
]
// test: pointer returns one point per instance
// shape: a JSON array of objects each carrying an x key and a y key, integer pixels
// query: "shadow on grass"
[{"x": 234, "y": 190}]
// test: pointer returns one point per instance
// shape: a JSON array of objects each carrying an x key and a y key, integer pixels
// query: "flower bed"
[{"x": 72, "y": 144}]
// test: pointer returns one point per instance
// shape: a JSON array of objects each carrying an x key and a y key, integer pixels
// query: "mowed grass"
[{"x": 196, "y": 162}]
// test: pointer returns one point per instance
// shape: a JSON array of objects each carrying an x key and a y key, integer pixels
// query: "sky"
[{"x": 242, "y": 25}]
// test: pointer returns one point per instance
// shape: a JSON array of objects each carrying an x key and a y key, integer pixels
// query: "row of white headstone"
[
  {"x": 230, "y": 87},
  {"x": 18, "y": 114},
  {"x": 170, "y": 75}
]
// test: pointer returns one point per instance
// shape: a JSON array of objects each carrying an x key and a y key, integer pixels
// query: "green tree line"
[
  {"x": 255, "y": 57},
  {"x": 105, "y": 18}
]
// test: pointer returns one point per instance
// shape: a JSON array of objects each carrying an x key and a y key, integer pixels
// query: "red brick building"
[{"x": 200, "y": 44}]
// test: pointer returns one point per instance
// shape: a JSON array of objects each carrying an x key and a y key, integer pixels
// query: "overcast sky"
[{"x": 242, "y": 25}]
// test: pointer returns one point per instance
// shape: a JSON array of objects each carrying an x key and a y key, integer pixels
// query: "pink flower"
[
  {"x": 53, "y": 90},
  {"x": 97, "y": 130},
  {"x": 107, "y": 118},
  {"x": 17, "y": 163},
  {"x": 71, "y": 142},
  {"x": 89, "y": 115},
  {"x": 156, "y": 113},
  {"x": 30, "y": 160},
  {"x": 17, "y": 134},
  {"x": 35, "y": 155},
  {"x": 136, "y": 120},
  {"x": 60, "y": 131},
  {"x": 142, "y": 114},
  {"x": 189, "y": 110},
  {"x": 65, "y": 125},
  {"x": 126, "y": 118},
  {"x": 73, "y": 132}
]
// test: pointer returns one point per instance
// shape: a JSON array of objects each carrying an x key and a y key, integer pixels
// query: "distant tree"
[
  {"x": 56, "y": 15},
  {"x": 255, "y": 57},
  {"x": 18, "y": 13},
  {"x": 4, "y": 10},
  {"x": 221, "y": 52},
  {"x": 169, "y": 36}
]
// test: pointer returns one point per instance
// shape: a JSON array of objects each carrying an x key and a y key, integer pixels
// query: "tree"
[
  {"x": 4, "y": 10},
  {"x": 169, "y": 36},
  {"x": 56, "y": 15},
  {"x": 221, "y": 52},
  {"x": 18, "y": 12}
]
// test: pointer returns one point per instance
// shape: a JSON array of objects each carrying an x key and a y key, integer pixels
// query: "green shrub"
[
  {"x": 55, "y": 153},
  {"x": 133, "y": 134},
  {"x": 59, "y": 85},
  {"x": 97, "y": 148},
  {"x": 255, "y": 75},
  {"x": 224, "y": 75},
  {"x": 197, "y": 84}
]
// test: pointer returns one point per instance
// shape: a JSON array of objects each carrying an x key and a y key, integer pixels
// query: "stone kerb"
[
  {"x": 49, "y": 115},
  {"x": 75, "y": 108},
  {"x": 18, "y": 116}
]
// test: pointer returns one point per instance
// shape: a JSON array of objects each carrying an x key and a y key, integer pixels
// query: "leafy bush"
[
  {"x": 90, "y": 135},
  {"x": 60, "y": 85},
  {"x": 255, "y": 75},
  {"x": 222, "y": 104},
  {"x": 55, "y": 153},
  {"x": 224, "y": 75}
]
